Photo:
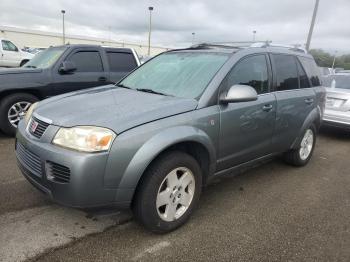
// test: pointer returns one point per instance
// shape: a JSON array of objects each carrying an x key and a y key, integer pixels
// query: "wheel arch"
[
  {"x": 187, "y": 139},
  {"x": 314, "y": 118}
]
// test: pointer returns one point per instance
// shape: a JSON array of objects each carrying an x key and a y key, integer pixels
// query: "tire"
[
  {"x": 23, "y": 63},
  {"x": 296, "y": 157},
  {"x": 8, "y": 102},
  {"x": 158, "y": 180}
]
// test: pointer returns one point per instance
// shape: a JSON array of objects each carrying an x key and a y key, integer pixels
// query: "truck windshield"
[
  {"x": 180, "y": 74},
  {"x": 46, "y": 58}
]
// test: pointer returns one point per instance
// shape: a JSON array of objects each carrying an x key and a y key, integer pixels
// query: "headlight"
[
  {"x": 30, "y": 112},
  {"x": 85, "y": 138}
]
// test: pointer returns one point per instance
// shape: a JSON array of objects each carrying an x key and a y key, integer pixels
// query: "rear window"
[
  {"x": 121, "y": 62},
  {"x": 311, "y": 70}
]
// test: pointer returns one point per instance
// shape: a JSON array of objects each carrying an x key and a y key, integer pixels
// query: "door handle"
[
  {"x": 267, "y": 107},
  {"x": 102, "y": 79},
  {"x": 309, "y": 101}
]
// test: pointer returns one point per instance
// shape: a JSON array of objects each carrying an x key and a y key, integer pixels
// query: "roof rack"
[{"x": 247, "y": 44}]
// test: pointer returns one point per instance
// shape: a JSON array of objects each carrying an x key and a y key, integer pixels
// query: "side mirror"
[
  {"x": 239, "y": 93},
  {"x": 67, "y": 67}
]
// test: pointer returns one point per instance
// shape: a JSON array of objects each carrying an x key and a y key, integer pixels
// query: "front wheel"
[
  {"x": 12, "y": 109},
  {"x": 168, "y": 193},
  {"x": 302, "y": 155}
]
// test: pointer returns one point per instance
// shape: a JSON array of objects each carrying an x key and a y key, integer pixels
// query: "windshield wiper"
[
  {"x": 123, "y": 86},
  {"x": 30, "y": 66},
  {"x": 147, "y": 90}
]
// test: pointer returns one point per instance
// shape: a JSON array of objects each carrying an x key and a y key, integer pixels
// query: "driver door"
[{"x": 247, "y": 127}]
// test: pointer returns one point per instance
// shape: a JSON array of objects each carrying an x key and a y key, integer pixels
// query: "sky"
[{"x": 174, "y": 21}]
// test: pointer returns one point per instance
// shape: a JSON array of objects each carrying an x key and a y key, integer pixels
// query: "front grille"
[
  {"x": 37, "y": 127},
  {"x": 29, "y": 159},
  {"x": 57, "y": 172}
]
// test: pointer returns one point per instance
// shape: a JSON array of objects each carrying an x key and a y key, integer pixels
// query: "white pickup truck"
[{"x": 11, "y": 55}]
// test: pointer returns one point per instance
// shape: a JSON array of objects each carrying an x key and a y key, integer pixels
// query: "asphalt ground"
[{"x": 274, "y": 212}]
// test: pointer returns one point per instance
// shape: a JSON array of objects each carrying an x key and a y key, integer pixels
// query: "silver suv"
[{"x": 152, "y": 141}]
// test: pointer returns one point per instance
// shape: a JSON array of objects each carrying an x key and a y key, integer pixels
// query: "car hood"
[
  {"x": 21, "y": 78},
  {"x": 108, "y": 106},
  {"x": 19, "y": 70}
]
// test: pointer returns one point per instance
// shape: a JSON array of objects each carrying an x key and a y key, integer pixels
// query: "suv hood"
[
  {"x": 108, "y": 106},
  {"x": 21, "y": 78}
]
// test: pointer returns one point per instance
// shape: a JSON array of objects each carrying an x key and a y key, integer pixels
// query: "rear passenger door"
[
  {"x": 295, "y": 99},
  {"x": 120, "y": 64},
  {"x": 89, "y": 71},
  {"x": 246, "y": 127}
]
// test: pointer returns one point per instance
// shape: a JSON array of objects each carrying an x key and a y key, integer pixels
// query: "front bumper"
[
  {"x": 70, "y": 178},
  {"x": 336, "y": 118}
]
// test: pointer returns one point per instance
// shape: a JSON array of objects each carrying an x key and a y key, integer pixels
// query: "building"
[{"x": 40, "y": 39}]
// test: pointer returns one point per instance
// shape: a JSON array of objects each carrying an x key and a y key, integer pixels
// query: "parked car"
[
  {"x": 59, "y": 70},
  {"x": 337, "y": 113},
  {"x": 11, "y": 55},
  {"x": 325, "y": 71},
  {"x": 179, "y": 120}
]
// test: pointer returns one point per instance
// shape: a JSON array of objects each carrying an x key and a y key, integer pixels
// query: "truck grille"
[
  {"x": 29, "y": 159},
  {"x": 37, "y": 127},
  {"x": 57, "y": 172}
]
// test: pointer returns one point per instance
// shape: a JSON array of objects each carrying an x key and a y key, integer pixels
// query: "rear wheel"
[
  {"x": 302, "y": 155},
  {"x": 12, "y": 109},
  {"x": 168, "y": 193}
]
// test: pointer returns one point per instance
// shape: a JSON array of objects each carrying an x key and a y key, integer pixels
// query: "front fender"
[{"x": 157, "y": 144}]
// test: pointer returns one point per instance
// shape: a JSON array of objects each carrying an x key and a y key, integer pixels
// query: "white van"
[{"x": 11, "y": 55}]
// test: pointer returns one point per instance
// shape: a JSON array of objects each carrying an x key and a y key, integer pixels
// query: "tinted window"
[
  {"x": 87, "y": 61},
  {"x": 311, "y": 70},
  {"x": 8, "y": 46},
  {"x": 121, "y": 62},
  {"x": 250, "y": 71},
  {"x": 303, "y": 79},
  {"x": 286, "y": 72}
]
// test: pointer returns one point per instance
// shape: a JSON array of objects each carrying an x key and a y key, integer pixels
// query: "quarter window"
[
  {"x": 303, "y": 79},
  {"x": 121, "y": 62},
  {"x": 87, "y": 61},
  {"x": 250, "y": 71},
  {"x": 311, "y": 70},
  {"x": 286, "y": 72}
]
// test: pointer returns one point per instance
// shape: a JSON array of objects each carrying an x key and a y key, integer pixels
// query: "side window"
[
  {"x": 250, "y": 71},
  {"x": 286, "y": 72},
  {"x": 311, "y": 70},
  {"x": 121, "y": 62},
  {"x": 303, "y": 79},
  {"x": 87, "y": 61},
  {"x": 8, "y": 46}
]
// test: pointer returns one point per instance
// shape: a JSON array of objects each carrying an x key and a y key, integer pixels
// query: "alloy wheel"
[{"x": 175, "y": 194}]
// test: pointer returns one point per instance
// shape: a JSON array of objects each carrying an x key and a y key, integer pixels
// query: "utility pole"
[
  {"x": 335, "y": 54},
  {"x": 312, "y": 25},
  {"x": 63, "y": 29},
  {"x": 150, "y": 29},
  {"x": 254, "y": 33},
  {"x": 193, "y": 34}
]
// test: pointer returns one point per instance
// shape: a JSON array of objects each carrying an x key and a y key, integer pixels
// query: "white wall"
[{"x": 40, "y": 39}]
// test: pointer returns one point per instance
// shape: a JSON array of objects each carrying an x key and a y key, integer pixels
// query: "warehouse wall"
[{"x": 40, "y": 39}]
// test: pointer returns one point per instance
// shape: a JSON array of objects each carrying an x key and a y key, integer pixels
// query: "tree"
[{"x": 325, "y": 59}]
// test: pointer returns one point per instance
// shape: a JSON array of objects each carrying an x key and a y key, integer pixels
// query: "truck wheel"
[
  {"x": 302, "y": 155},
  {"x": 23, "y": 63},
  {"x": 12, "y": 109},
  {"x": 168, "y": 193}
]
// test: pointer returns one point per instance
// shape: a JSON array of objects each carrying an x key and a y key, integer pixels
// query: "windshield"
[
  {"x": 180, "y": 74},
  {"x": 46, "y": 58},
  {"x": 342, "y": 82}
]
